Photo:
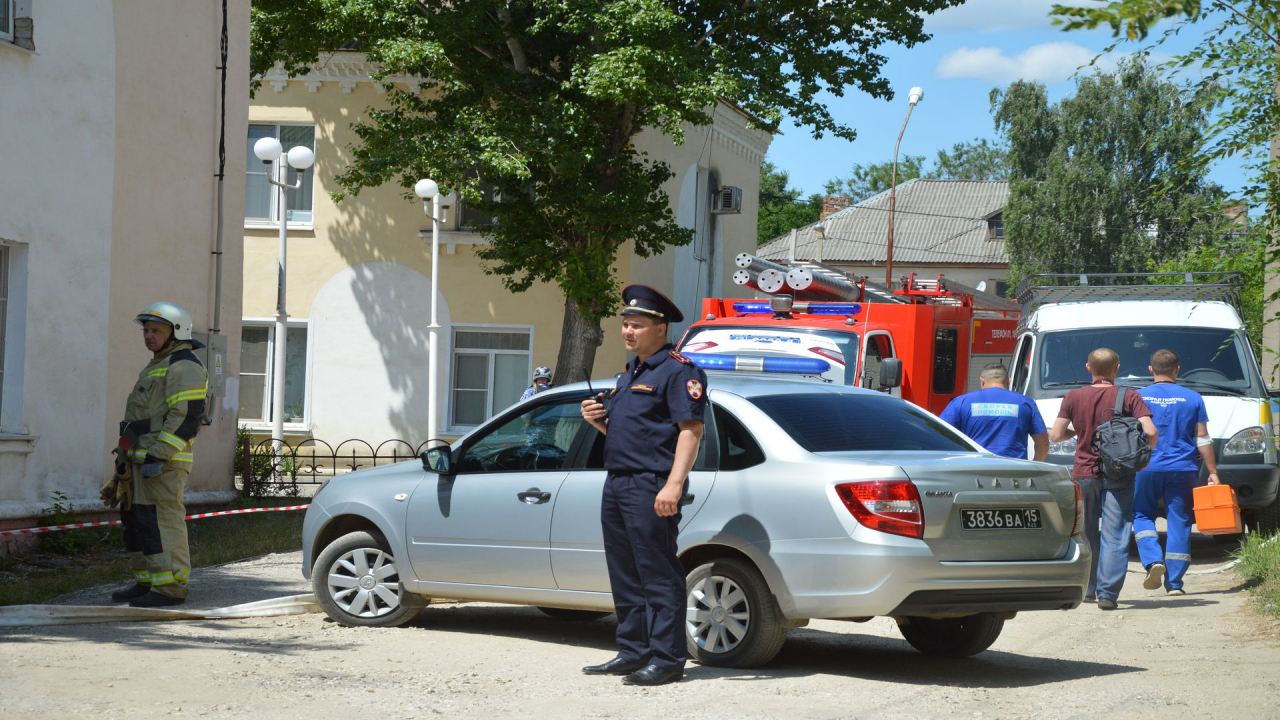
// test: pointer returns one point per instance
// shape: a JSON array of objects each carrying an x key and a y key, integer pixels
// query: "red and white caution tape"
[{"x": 77, "y": 526}]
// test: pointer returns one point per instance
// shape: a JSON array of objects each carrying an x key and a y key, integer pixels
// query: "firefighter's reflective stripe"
[
  {"x": 185, "y": 457},
  {"x": 162, "y": 578},
  {"x": 1185, "y": 557},
  {"x": 137, "y": 454},
  {"x": 173, "y": 440},
  {"x": 159, "y": 372},
  {"x": 198, "y": 394},
  {"x": 142, "y": 577},
  {"x": 1146, "y": 534},
  {"x": 181, "y": 575}
]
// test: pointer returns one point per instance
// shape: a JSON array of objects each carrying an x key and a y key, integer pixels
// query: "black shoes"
[
  {"x": 654, "y": 675},
  {"x": 155, "y": 600},
  {"x": 616, "y": 666},
  {"x": 138, "y": 590}
]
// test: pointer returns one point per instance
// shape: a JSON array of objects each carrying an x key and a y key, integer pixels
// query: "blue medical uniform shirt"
[
  {"x": 997, "y": 419},
  {"x": 645, "y": 407},
  {"x": 1175, "y": 410}
]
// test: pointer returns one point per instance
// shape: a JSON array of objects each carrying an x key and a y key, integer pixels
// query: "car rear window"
[{"x": 826, "y": 422}]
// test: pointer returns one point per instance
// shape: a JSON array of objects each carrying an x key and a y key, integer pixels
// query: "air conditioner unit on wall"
[{"x": 726, "y": 201}]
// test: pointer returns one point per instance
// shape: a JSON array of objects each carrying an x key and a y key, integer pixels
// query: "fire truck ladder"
[
  {"x": 945, "y": 291},
  {"x": 1097, "y": 287}
]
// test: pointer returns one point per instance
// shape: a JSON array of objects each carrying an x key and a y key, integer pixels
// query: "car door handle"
[{"x": 533, "y": 496}]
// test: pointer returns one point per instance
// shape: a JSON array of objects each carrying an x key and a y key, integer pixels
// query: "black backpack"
[{"x": 1121, "y": 446}]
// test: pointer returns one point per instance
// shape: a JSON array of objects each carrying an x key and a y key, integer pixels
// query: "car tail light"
[
  {"x": 1078, "y": 526},
  {"x": 831, "y": 355},
  {"x": 890, "y": 506}
]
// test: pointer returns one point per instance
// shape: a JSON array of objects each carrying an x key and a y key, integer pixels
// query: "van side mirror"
[
  {"x": 890, "y": 372},
  {"x": 438, "y": 460}
]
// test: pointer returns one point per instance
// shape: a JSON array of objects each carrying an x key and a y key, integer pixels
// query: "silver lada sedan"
[{"x": 807, "y": 500}]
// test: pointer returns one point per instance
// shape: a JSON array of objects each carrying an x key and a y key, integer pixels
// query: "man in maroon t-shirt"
[{"x": 1082, "y": 410}]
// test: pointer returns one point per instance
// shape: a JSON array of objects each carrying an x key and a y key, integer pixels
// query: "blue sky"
[{"x": 975, "y": 47}]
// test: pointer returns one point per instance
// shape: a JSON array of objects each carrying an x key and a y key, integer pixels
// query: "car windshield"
[
  {"x": 826, "y": 422},
  {"x": 838, "y": 348},
  {"x": 1214, "y": 361}
]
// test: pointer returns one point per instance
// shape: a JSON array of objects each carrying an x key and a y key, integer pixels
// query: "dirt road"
[{"x": 1194, "y": 656}]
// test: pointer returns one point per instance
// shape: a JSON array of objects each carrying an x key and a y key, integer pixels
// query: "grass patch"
[
  {"x": 1260, "y": 564},
  {"x": 97, "y": 555}
]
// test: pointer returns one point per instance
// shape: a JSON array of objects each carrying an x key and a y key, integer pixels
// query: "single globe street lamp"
[
  {"x": 429, "y": 191},
  {"x": 269, "y": 150},
  {"x": 913, "y": 97}
]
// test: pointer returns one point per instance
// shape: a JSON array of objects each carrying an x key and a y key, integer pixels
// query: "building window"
[
  {"x": 472, "y": 218},
  {"x": 261, "y": 202},
  {"x": 4, "y": 312},
  {"x": 257, "y": 365},
  {"x": 6, "y": 20},
  {"x": 995, "y": 227},
  {"x": 945, "y": 345},
  {"x": 491, "y": 369}
]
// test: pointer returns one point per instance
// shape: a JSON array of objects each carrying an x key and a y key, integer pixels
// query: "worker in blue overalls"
[{"x": 652, "y": 429}]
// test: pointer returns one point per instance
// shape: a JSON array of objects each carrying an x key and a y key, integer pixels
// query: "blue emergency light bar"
[
  {"x": 809, "y": 308},
  {"x": 755, "y": 363}
]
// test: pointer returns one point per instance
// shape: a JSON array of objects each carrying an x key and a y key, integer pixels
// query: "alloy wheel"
[
  {"x": 717, "y": 614},
  {"x": 364, "y": 583}
]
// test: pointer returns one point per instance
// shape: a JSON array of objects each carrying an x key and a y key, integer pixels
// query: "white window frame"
[
  {"x": 274, "y": 222},
  {"x": 268, "y": 386},
  {"x": 13, "y": 344},
  {"x": 5, "y": 264},
  {"x": 451, "y": 365},
  {"x": 6, "y": 33}
]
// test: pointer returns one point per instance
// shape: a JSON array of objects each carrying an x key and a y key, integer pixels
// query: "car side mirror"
[
  {"x": 438, "y": 460},
  {"x": 890, "y": 373}
]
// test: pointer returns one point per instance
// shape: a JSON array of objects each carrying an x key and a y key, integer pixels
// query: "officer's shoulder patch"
[
  {"x": 694, "y": 388},
  {"x": 680, "y": 357}
]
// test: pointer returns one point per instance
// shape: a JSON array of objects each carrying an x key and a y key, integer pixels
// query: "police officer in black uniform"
[{"x": 652, "y": 430}]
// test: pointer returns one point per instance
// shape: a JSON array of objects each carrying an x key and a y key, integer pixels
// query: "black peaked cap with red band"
[{"x": 644, "y": 300}]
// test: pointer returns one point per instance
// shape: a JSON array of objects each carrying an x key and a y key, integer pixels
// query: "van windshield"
[
  {"x": 1214, "y": 361},
  {"x": 838, "y": 348}
]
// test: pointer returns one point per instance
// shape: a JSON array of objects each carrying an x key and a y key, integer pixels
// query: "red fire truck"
[{"x": 925, "y": 340}]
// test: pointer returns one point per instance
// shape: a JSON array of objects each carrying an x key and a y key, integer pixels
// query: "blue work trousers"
[
  {"x": 1175, "y": 489},
  {"x": 1108, "y": 521},
  {"x": 645, "y": 574}
]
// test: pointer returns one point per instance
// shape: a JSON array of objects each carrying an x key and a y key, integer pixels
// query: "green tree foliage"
[
  {"x": 1245, "y": 254},
  {"x": 781, "y": 206},
  {"x": 1096, "y": 183},
  {"x": 979, "y": 159},
  {"x": 1237, "y": 71},
  {"x": 543, "y": 99}
]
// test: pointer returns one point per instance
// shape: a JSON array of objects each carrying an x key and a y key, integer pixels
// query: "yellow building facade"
[{"x": 358, "y": 283}]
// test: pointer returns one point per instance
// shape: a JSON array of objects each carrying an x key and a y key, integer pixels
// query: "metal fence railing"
[{"x": 271, "y": 467}]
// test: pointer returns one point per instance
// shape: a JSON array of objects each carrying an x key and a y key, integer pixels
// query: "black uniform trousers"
[{"x": 645, "y": 574}]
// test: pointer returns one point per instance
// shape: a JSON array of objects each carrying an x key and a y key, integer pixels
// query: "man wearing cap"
[
  {"x": 161, "y": 418},
  {"x": 652, "y": 430}
]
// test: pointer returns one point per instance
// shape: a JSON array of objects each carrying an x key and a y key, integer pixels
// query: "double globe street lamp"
[
  {"x": 269, "y": 150},
  {"x": 429, "y": 191}
]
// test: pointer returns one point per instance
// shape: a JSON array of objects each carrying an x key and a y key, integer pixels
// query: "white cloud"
[
  {"x": 1048, "y": 63},
  {"x": 993, "y": 16}
]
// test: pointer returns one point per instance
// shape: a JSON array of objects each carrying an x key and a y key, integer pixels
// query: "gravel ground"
[{"x": 1203, "y": 654}]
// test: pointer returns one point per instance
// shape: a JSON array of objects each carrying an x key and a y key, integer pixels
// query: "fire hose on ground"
[{"x": 32, "y": 615}]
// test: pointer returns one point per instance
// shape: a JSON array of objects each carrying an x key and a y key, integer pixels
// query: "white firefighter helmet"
[
  {"x": 167, "y": 312},
  {"x": 542, "y": 371}
]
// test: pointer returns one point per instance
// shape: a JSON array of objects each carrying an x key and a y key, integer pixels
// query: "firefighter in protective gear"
[{"x": 162, "y": 416}]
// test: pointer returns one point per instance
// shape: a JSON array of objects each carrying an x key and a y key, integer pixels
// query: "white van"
[{"x": 1065, "y": 317}]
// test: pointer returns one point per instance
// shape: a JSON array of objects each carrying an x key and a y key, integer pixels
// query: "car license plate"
[{"x": 1000, "y": 519}]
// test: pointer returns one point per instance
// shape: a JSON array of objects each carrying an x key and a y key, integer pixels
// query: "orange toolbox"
[{"x": 1217, "y": 512}]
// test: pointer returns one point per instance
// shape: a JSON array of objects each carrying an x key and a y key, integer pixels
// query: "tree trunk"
[{"x": 579, "y": 339}]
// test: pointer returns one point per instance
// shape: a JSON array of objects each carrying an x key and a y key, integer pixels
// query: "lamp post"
[
  {"x": 913, "y": 97},
  {"x": 429, "y": 191},
  {"x": 299, "y": 158}
]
